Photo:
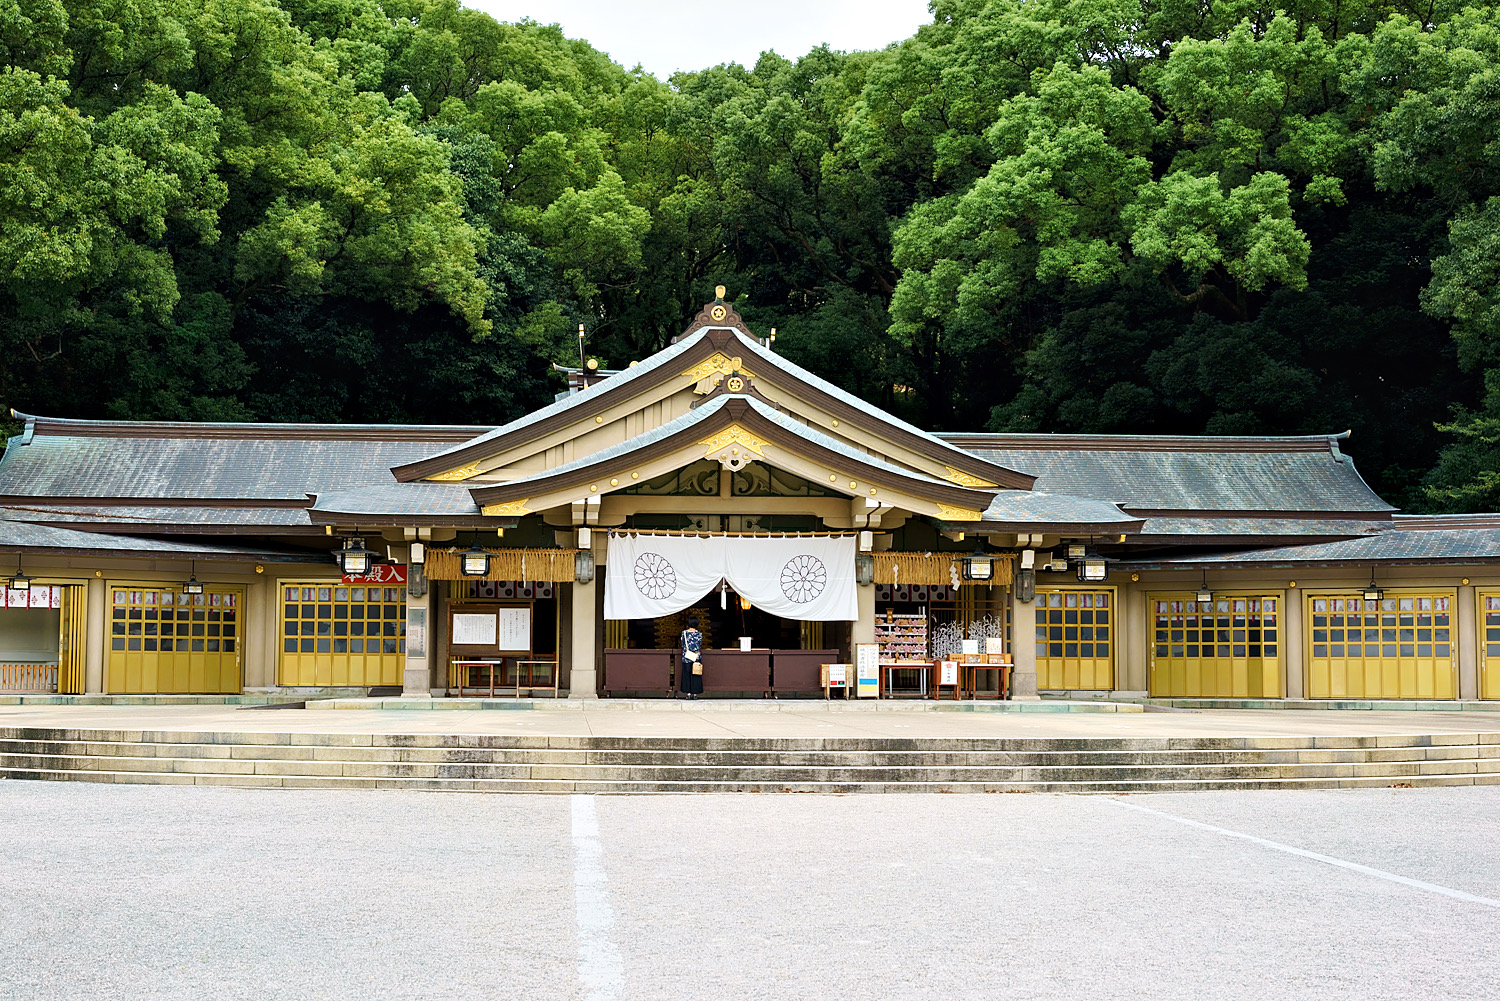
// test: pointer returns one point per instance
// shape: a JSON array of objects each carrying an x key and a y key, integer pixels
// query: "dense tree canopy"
[{"x": 1148, "y": 216}]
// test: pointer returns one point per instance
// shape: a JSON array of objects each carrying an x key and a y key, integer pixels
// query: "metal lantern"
[
  {"x": 1092, "y": 569},
  {"x": 583, "y": 566},
  {"x": 1076, "y": 550},
  {"x": 474, "y": 562},
  {"x": 1205, "y": 596},
  {"x": 864, "y": 569},
  {"x": 1372, "y": 591},
  {"x": 979, "y": 566},
  {"x": 354, "y": 559},
  {"x": 192, "y": 585},
  {"x": 20, "y": 582}
]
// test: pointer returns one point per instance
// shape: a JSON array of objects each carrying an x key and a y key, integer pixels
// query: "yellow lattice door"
[
  {"x": 1075, "y": 639},
  {"x": 71, "y": 641},
  {"x": 336, "y": 635},
  {"x": 165, "y": 642},
  {"x": 1226, "y": 648},
  {"x": 1489, "y": 672},
  {"x": 1398, "y": 647}
]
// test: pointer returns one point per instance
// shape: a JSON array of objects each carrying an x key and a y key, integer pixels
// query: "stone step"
[
  {"x": 649, "y": 787},
  {"x": 739, "y": 756}
]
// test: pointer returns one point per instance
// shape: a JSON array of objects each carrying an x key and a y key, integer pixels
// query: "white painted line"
[
  {"x": 1316, "y": 856},
  {"x": 599, "y": 967}
]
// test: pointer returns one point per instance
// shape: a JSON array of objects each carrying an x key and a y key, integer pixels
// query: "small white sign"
[
  {"x": 515, "y": 629},
  {"x": 948, "y": 673},
  {"x": 471, "y": 629},
  {"x": 838, "y": 675},
  {"x": 969, "y": 648},
  {"x": 994, "y": 644}
]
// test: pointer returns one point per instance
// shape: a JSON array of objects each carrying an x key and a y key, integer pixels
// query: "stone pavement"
[
  {"x": 755, "y": 719},
  {"x": 178, "y": 894}
]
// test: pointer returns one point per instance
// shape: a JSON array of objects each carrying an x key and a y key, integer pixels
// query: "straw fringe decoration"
[
  {"x": 555, "y": 565},
  {"x": 934, "y": 568}
]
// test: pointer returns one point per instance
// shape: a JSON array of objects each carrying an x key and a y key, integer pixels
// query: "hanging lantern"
[
  {"x": 1076, "y": 550},
  {"x": 354, "y": 559},
  {"x": 1372, "y": 591},
  {"x": 20, "y": 582},
  {"x": 193, "y": 585},
  {"x": 1093, "y": 568},
  {"x": 979, "y": 566},
  {"x": 474, "y": 562},
  {"x": 583, "y": 566}
]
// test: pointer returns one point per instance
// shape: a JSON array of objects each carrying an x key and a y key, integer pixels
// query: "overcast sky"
[{"x": 668, "y": 35}]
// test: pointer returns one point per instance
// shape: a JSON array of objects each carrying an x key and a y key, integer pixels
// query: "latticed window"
[
  {"x": 1390, "y": 627},
  {"x": 1228, "y": 627},
  {"x": 343, "y": 620}
]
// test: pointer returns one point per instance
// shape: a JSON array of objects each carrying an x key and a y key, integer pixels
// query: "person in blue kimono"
[{"x": 689, "y": 674}]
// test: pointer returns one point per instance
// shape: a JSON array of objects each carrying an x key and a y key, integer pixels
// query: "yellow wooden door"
[
  {"x": 71, "y": 641},
  {"x": 1226, "y": 648},
  {"x": 1075, "y": 639},
  {"x": 337, "y": 635},
  {"x": 1399, "y": 647},
  {"x": 162, "y": 641},
  {"x": 1489, "y": 660}
]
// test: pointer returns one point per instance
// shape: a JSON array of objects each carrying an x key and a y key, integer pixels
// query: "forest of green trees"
[{"x": 1145, "y": 216}]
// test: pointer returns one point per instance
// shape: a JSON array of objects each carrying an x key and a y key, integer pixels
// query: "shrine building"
[{"x": 563, "y": 554}]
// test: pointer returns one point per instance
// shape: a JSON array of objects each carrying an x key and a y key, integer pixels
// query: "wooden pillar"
[
  {"x": 1023, "y": 650},
  {"x": 1468, "y": 641},
  {"x": 416, "y": 679},
  {"x": 583, "y": 673},
  {"x": 96, "y": 637},
  {"x": 1293, "y": 647}
]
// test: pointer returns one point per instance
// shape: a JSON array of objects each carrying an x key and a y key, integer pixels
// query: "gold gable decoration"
[
  {"x": 733, "y": 435},
  {"x": 964, "y": 479},
  {"x": 555, "y": 565},
  {"x": 948, "y": 512},
  {"x": 707, "y": 373},
  {"x": 461, "y": 473},
  {"x": 934, "y": 568}
]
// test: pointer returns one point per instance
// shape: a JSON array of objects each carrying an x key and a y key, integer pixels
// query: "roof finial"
[{"x": 718, "y": 293}]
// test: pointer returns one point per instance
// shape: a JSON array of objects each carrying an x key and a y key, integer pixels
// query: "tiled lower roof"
[
  {"x": 18, "y": 536},
  {"x": 1441, "y": 545}
]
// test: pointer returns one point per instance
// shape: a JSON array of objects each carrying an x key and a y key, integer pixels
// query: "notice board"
[
  {"x": 515, "y": 629},
  {"x": 866, "y": 670},
  {"x": 473, "y": 629}
]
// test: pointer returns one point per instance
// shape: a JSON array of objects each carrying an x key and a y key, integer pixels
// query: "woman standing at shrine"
[{"x": 690, "y": 672}]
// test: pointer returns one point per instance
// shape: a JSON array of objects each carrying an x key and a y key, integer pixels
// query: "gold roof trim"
[
  {"x": 514, "y": 507},
  {"x": 461, "y": 473},
  {"x": 949, "y": 513},
  {"x": 964, "y": 479},
  {"x": 718, "y": 364}
]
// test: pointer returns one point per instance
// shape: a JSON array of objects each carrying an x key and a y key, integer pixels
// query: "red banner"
[{"x": 380, "y": 573}]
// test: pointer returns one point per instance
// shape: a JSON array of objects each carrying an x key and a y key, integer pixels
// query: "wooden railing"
[{"x": 28, "y": 677}]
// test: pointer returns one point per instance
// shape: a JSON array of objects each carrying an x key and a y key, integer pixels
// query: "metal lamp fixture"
[
  {"x": 418, "y": 556},
  {"x": 1205, "y": 596},
  {"x": 1372, "y": 591},
  {"x": 864, "y": 569},
  {"x": 474, "y": 562},
  {"x": 192, "y": 585},
  {"x": 1093, "y": 568},
  {"x": 583, "y": 566},
  {"x": 20, "y": 582},
  {"x": 979, "y": 566},
  {"x": 1076, "y": 551},
  {"x": 354, "y": 559}
]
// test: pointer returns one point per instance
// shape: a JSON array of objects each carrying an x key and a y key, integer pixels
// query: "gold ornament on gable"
[
  {"x": 964, "y": 479},
  {"x": 461, "y": 473}
]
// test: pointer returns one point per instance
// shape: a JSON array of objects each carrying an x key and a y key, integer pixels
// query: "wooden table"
[
  {"x": 923, "y": 669},
  {"x": 531, "y": 666},
  {"x": 970, "y": 673},
  {"x": 459, "y": 667}
]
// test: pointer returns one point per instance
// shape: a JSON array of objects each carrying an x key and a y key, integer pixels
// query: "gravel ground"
[{"x": 152, "y": 892}]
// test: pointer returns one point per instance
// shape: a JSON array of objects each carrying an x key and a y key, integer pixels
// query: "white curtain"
[{"x": 648, "y": 576}]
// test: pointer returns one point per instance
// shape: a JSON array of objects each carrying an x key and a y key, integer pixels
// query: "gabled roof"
[
  {"x": 729, "y": 337},
  {"x": 1163, "y": 476},
  {"x": 716, "y": 415}
]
